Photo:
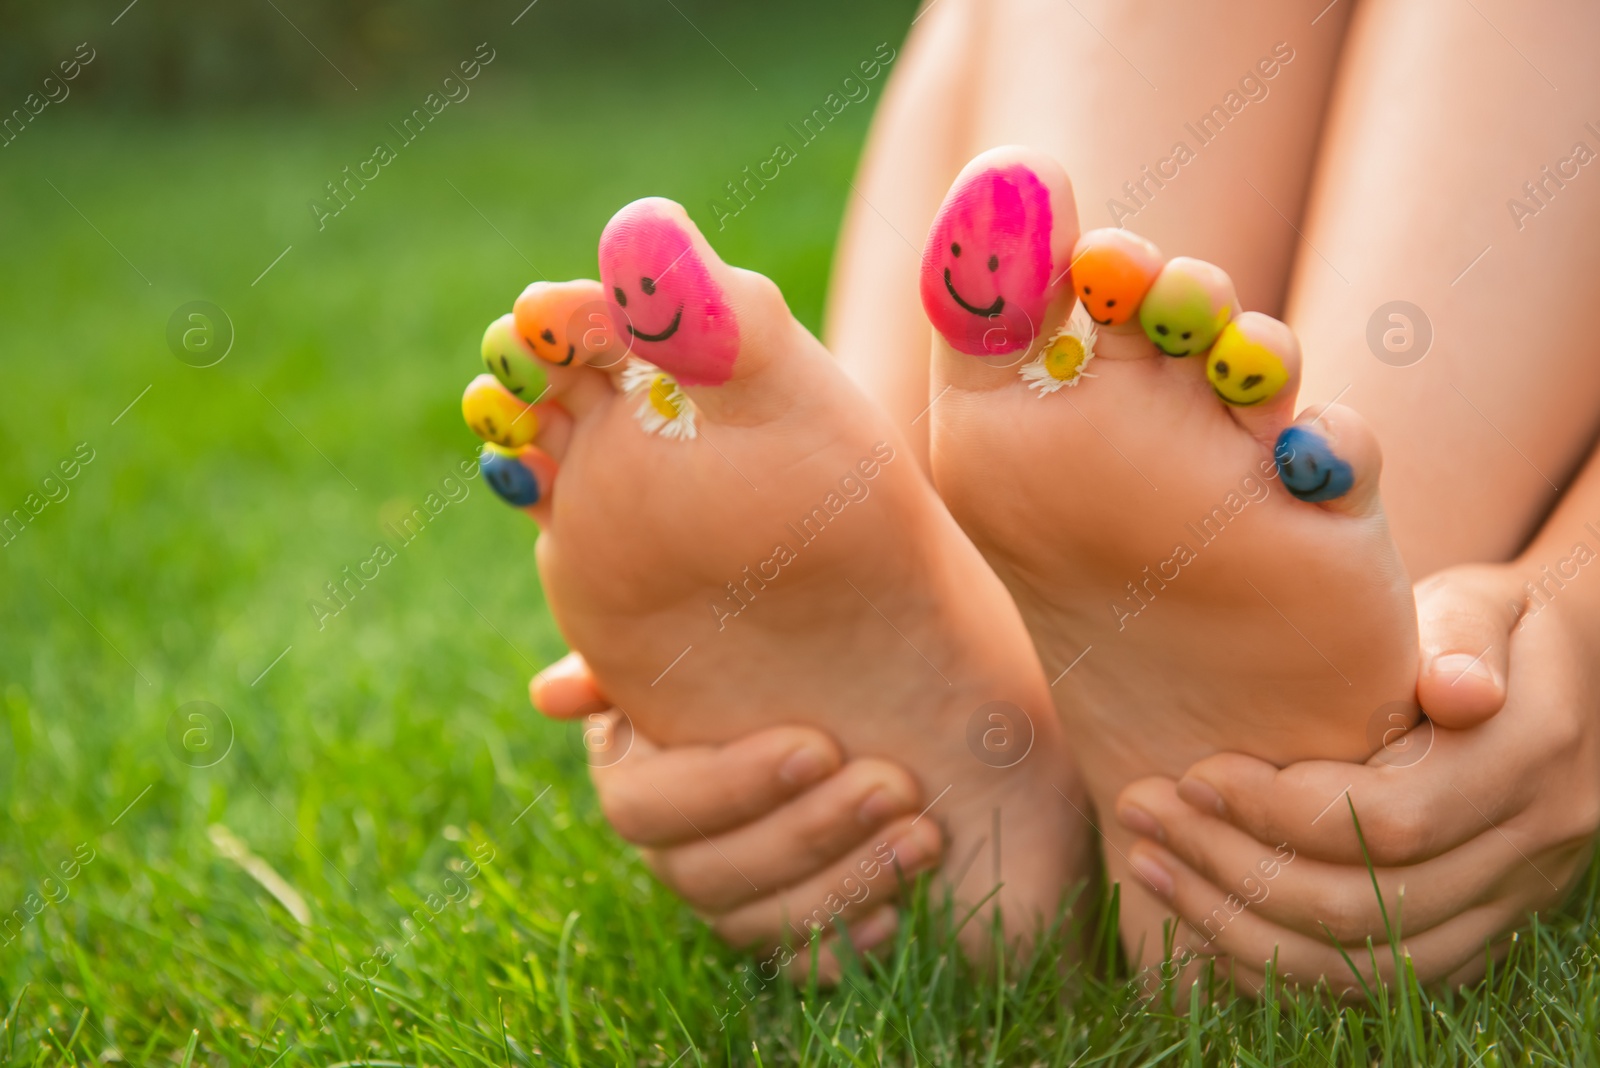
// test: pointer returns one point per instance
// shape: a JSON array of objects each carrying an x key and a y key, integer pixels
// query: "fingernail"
[
  {"x": 1154, "y": 875},
  {"x": 496, "y": 416},
  {"x": 1309, "y": 468},
  {"x": 1201, "y": 797},
  {"x": 511, "y": 481},
  {"x": 1242, "y": 370},
  {"x": 804, "y": 766},
  {"x": 511, "y": 360},
  {"x": 911, "y": 853},
  {"x": 657, "y": 284},
  {"x": 1140, "y": 822},
  {"x": 1453, "y": 667},
  {"x": 875, "y": 929},
  {"x": 1187, "y": 306},
  {"x": 987, "y": 267},
  {"x": 879, "y": 806}
]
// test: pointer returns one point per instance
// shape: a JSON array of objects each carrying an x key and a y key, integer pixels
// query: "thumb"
[{"x": 1465, "y": 616}]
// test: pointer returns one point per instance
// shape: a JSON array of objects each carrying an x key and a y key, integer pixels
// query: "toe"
[
  {"x": 1187, "y": 306},
  {"x": 681, "y": 308},
  {"x": 996, "y": 263},
  {"x": 1329, "y": 456},
  {"x": 566, "y": 341},
  {"x": 522, "y": 478},
  {"x": 1254, "y": 366},
  {"x": 1112, "y": 270}
]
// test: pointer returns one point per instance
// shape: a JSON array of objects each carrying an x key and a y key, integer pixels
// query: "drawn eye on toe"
[
  {"x": 1222, "y": 371},
  {"x": 622, "y": 298},
  {"x": 955, "y": 249},
  {"x": 548, "y": 335},
  {"x": 994, "y": 263},
  {"x": 648, "y": 285}
]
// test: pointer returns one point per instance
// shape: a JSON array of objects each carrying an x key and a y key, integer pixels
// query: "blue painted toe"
[
  {"x": 1309, "y": 468},
  {"x": 513, "y": 482}
]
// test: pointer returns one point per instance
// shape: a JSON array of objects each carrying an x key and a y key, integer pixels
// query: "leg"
[
  {"x": 1438, "y": 125},
  {"x": 1111, "y": 92}
]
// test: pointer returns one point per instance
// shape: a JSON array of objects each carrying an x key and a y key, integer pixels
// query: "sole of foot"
[
  {"x": 1200, "y": 570},
  {"x": 734, "y": 537}
]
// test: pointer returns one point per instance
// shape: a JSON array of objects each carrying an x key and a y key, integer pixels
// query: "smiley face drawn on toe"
[
  {"x": 1187, "y": 306},
  {"x": 659, "y": 286},
  {"x": 1309, "y": 468},
  {"x": 1112, "y": 270},
  {"x": 1242, "y": 371},
  {"x": 986, "y": 269},
  {"x": 511, "y": 481},
  {"x": 510, "y": 358},
  {"x": 495, "y": 415}
]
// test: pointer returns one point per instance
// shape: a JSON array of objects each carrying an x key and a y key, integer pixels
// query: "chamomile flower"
[
  {"x": 664, "y": 408},
  {"x": 1064, "y": 357}
]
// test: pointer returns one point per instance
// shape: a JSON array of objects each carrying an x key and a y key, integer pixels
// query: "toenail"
[
  {"x": 881, "y": 804},
  {"x": 1202, "y": 797},
  {"x": 508, "y": 478},
  {"x": 1453, "y": 667},
  {"x": 1156, "y": 877},
  {"x": 804, "y": 767},
  {"x": 1140, "y": 822}
]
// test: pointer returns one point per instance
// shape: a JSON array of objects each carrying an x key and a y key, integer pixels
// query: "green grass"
[{"x": 392, "y": 743}]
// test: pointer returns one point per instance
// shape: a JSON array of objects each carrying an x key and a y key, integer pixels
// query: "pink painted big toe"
[
  {"x": 986, "y": 270},
  {"x": 659, "y": 285}
]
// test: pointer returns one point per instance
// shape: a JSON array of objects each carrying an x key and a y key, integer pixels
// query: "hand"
[
  {"x": 1476, "y": 817},
  {"x": 763, "y": 837}
]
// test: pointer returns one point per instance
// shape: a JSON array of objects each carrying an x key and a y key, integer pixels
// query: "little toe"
[
  {"x": 996, "y": 263},
  {"x": 522, "y": 478},
  {"x": 1330, "y": 457},
  {"x": 1254, "y": 366},
  {"x": 1187, "y": 306}
]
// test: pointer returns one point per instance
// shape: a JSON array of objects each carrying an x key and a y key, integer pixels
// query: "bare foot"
[
  {"x": 738, "y": 538},
  {"x": 1197, "y": 573}
]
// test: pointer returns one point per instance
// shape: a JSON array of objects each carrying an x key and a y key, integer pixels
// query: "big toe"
[
  {"x": 682, "y": 308},
  {"x": 996, "y": 263}
]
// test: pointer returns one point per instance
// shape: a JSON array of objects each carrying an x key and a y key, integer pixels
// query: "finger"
[
  {"x": 1330, "y": 457},
  {"x": 668, "y": 796},
  {"x": 1312, "y": 896},
  {"x": 566, "y": 689},
  {"x": 1464, "y": 782},
  {"x": 791, "y": 844},
  {"x": 847, "y": 890},
  {"x": 1227, "y": 925},
  {"x": 1255, "y": 368},
  {"x": 523, "y": 479},
  {"x": 1464, "y": 621},
  {"x": 868, "y": 935}
]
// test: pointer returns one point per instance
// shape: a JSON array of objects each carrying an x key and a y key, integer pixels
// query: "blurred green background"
[{"x": 366, "y": 754}]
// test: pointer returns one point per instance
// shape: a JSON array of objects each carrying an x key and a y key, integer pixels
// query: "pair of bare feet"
[{"x": 1132, "y": 556}]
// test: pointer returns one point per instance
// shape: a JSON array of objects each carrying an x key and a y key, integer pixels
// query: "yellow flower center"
[
  {"x": 665, "y": 398},
  {"x": 1065, "y": 358}
]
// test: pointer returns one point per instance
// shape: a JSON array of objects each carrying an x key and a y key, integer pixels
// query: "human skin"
[{"x": 1463, "y": 479}]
